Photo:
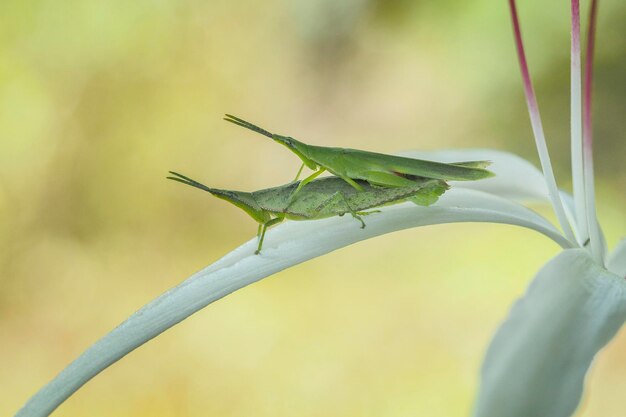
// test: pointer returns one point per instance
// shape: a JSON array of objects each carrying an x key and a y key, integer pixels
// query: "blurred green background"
[{"x": 98, "y": 100}]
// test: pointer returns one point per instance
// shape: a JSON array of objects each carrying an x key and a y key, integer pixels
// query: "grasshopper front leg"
[
  {"x": 262, "y": 229},
  {"x": 311, "y": 177},
  {"x": 304, "y": 182},
  {"x": 299, "y": 172}
]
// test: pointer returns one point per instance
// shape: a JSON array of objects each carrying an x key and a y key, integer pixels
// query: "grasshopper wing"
[{"x": 359, "y": 162}]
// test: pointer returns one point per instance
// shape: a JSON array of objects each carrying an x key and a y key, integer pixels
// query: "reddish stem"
[
  {"x": 535, "y": 121},
  {"x": 519, "y": 44},
  {"x": 578, "y": 176},
  {"x": 591, "y": 38},
  {"x": 575, "y": 29},
  {"x": 592, "y": 222}
]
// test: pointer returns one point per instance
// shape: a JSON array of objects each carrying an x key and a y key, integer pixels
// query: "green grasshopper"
[
  {"x": 322, "y": 198},
  {"x": 375, "y": 168}
]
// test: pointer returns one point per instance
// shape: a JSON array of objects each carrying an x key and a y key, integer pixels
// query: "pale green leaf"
[
  {"x": 286, "y": 245},
  {"x": 617, "y": 259},
  {"x": 537, "y": 361}
]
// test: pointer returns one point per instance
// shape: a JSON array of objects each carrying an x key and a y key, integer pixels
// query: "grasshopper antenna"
[
  {"x": 247, "y": 125},
  {"x": 186, "y": 180}
]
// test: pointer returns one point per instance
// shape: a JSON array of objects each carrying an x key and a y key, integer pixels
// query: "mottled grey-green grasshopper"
[
  {"x": 321, "y": 198},
  {"x": 375, "y": 168}
]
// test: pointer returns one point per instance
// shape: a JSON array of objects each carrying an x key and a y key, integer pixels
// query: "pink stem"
[
  {"x": 519, "y": 43},
  {"x": 535, "y": 121},
  {"x": 578, "y": 180},
  {"x": 591, "y": 40},
  {"x": 592, "y": 222},
  {"x": 576, "y": 29}
]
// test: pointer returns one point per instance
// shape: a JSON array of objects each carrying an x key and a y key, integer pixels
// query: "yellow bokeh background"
[{"x": 98, "y": 100}]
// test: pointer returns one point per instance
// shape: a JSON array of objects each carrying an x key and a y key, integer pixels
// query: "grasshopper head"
[
  {"x": 244, "y": 201},
  {"x": 241, "y": 199},
  {"x": 297, "y": 147},
  {"x": 300, "y": 149}
]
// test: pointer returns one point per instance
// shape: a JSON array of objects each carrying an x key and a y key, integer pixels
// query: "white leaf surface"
[
  {"x": 516, "y": 178},
  {"x": 286, "y": 245},
  {"x": 538, "y": 358},
  {"x": 617, "y": 259}
]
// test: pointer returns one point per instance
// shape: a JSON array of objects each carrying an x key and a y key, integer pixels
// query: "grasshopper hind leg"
[
  {"x": 367, "y": 213},
  {"x": 359, "y": 218},
  {"x": 355, "y": 214},
  {"x": 358, "y": 215},
  {"x": 339, "y": 197}
]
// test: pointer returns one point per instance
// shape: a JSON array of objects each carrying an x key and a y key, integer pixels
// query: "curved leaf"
[
  {"x": 516, "y": 178},
  {"x": 538, "y": 358},
  {"x": 286, "y": 245}
]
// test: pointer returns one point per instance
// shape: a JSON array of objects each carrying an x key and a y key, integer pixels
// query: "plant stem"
[
  {"x": 592, "y": 221},
  {"x": 576, "y": 128},
  {"x": 535, "y": 120}
]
